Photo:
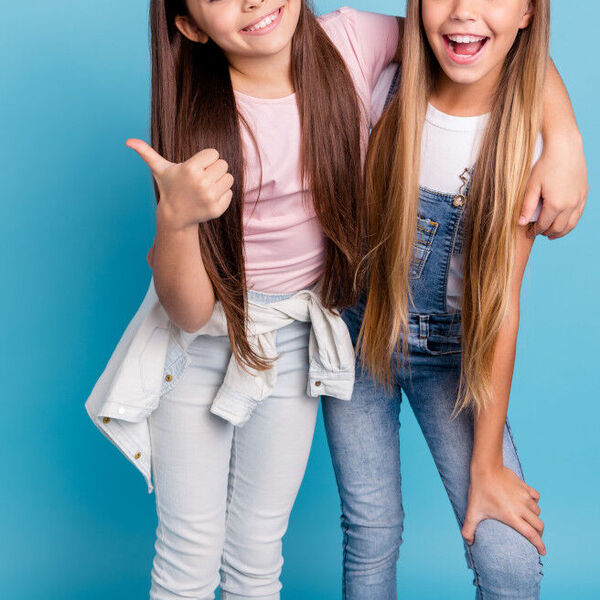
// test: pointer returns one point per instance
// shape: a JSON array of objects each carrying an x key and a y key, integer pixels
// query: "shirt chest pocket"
[{"x": 426, "y": 229}]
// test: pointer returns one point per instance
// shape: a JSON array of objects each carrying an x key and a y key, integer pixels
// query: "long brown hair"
[
  {"x": 194, "y": 107},
  {"x": 496, "y": 194}
]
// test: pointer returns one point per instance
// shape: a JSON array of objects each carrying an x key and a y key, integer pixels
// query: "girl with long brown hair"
[
  {"x": 446, "y": 175},
  {"x": 260, "y": 118}
]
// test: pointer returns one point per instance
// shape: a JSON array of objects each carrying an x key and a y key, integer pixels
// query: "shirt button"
[
  {"x": 168, "y": 377},
  {"x": 106, "y": 420},
  {"x": 137, "y": 455},
  {"x": 121, "y": 410},
  {"x": 317, "y": 383},
  {"x": 459, "y": 200}
]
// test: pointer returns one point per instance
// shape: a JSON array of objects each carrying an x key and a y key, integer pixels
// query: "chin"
[{"x": 462, "y": 76}]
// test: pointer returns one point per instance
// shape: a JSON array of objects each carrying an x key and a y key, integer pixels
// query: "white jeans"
[{"x": 224, "y": 494}]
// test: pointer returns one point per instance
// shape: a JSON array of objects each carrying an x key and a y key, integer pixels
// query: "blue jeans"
[{"x": 363, "y": 437}]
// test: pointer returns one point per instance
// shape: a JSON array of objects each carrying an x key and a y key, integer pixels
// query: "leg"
[
  {"x": 504, "y": 563},
  {"x": 268, "y": 461},
  {"x": 191, "y": 452},
  {"x": 365, "y": 450}
]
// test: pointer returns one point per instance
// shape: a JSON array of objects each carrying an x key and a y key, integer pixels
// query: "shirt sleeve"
[
  {"x": 366, "y": 40},
  {"x": 537, "y": 153},
  {"x": 374, "y": 38}
]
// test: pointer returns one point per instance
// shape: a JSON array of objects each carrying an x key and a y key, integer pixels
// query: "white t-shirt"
[{"x": 449, "y": 146}]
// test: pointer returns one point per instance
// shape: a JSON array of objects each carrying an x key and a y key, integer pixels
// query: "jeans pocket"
[
  {"x": 426, "y": 229},
  {"x": 443, "y": 334},
  {"x": 437, "y": 345}
]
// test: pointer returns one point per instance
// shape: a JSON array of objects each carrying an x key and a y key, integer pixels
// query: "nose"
[
  {"x": 465, "y": 10},
  {"x": 250, "y": 5}
]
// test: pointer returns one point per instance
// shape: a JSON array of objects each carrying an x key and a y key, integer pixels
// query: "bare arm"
[
  {"x": 190, "y": 193},
  {"x": 181, "y": 281},
  {"x": 560, "y": 176},
  {"x": 496, "y": 491}
]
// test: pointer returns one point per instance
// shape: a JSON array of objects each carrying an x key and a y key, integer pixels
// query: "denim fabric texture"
[{"x": 363, "y": 436}]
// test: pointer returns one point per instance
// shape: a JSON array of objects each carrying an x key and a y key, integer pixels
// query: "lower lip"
[
  {"x": 268, "y": 28},
  {"x": 463, "y": 59}
]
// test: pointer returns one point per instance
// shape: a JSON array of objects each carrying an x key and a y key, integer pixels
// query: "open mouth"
[
  {"x": 266, "y": 23},
  {"x": 465, "y": 48}
]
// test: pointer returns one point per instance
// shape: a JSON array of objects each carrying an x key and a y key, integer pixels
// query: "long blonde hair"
[{"x": 495, "y": 198}]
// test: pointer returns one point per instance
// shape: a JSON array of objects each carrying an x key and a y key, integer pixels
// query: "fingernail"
[{"x": 522, "y": 220}]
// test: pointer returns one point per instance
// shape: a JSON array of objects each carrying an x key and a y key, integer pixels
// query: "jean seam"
[
  {"x": 159, "y": 530},
  {"x": 230, "y": 492},
  {"x": 345, "y": 531},
  {"x": 512, "y": 440},
  {"x": 471, "y": 559}
]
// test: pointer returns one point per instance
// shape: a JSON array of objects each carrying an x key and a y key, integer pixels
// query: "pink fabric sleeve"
[{"x": 374, "y": 38}]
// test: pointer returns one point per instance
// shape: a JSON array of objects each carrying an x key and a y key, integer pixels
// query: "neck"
[
  {"x": 465, "y": 99},
  {"x": 263, "y": 77}
]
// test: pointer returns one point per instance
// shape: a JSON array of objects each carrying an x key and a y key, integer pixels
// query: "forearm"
[
  {"x": 180, "y": 278},
  {"x": 558, "y": 121},
  {"x": 489, "y": 422}
]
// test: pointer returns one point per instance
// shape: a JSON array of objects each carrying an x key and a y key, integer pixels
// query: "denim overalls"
[{"x": 363, "y": 435}]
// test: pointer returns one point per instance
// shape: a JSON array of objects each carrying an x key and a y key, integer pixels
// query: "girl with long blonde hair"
[{"x": 447, "y": 172}]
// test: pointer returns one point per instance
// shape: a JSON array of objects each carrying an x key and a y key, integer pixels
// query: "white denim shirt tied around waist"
[{"x": 151, "y": 357}]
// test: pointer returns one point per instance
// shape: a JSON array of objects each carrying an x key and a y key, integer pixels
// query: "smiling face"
[
  {"x": 471, "y": 38},
  {"x": 242, "y": 28}
]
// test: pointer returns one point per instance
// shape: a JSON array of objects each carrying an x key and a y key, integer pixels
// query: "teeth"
[
  {"x": 465, "y": 39},
  {"x": 262, "y": 24}
]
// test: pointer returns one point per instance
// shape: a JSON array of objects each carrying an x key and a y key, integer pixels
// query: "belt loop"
[{"x": 423, "y": 327}]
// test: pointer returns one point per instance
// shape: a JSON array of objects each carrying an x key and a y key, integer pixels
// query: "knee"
[
  {"x": 187, "y": 559},
  {"x": 505, "y": 564},
  {"x": 372, "y": 546},
  {"x": 251, "y": 563}
]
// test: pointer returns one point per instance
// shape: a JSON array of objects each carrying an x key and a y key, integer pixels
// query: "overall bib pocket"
[{"x": 426, "y": 229}]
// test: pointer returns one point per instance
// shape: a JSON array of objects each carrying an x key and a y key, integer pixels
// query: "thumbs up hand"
[{"x": 191, "y": 192}]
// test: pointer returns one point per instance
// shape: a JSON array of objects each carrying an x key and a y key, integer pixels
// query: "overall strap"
[{"x": 393, "y": 87}]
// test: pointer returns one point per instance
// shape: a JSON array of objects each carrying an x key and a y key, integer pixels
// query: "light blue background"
[{"x": 77, "y": 220}]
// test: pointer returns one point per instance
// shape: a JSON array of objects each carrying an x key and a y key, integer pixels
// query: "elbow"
[{"x": 196, "y": 321}]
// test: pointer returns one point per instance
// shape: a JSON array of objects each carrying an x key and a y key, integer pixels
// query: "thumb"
[
  {"x": 531, "y": 201},
  {"x": 469, "y": 527},
  {"x": 152, "y": 158}
]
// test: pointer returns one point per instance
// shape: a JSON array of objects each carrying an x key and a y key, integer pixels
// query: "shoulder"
[
  {"x": 337, "y": 17},
  {"x": 353, "y": 22}
]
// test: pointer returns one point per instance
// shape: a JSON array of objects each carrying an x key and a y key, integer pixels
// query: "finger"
[
  {"x": 535, "y": 522},
  {"x": 152, "y": 158},
  {"x": 534, "y": 507},
  {"x": 469, "y": 527},
  {"x": 527, "y": 531},
  {"x": 204, "y": 158},
  {"x": 223, "y": 185},
  {"x": 531, "y": 201},
  {"x": 216, "y": 170},
  {"x": 533, "y": 493},
  {"x": 225, "y": 200},
  {"x": 571, "y": 224},
  {"x": 559, "y": 226},
  {"x": 546, "y": 218}
]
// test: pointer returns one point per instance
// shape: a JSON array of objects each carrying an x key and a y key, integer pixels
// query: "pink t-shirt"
[
  {"x": 284, "y": 243},
  {"x": 283, "y": 239}
]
